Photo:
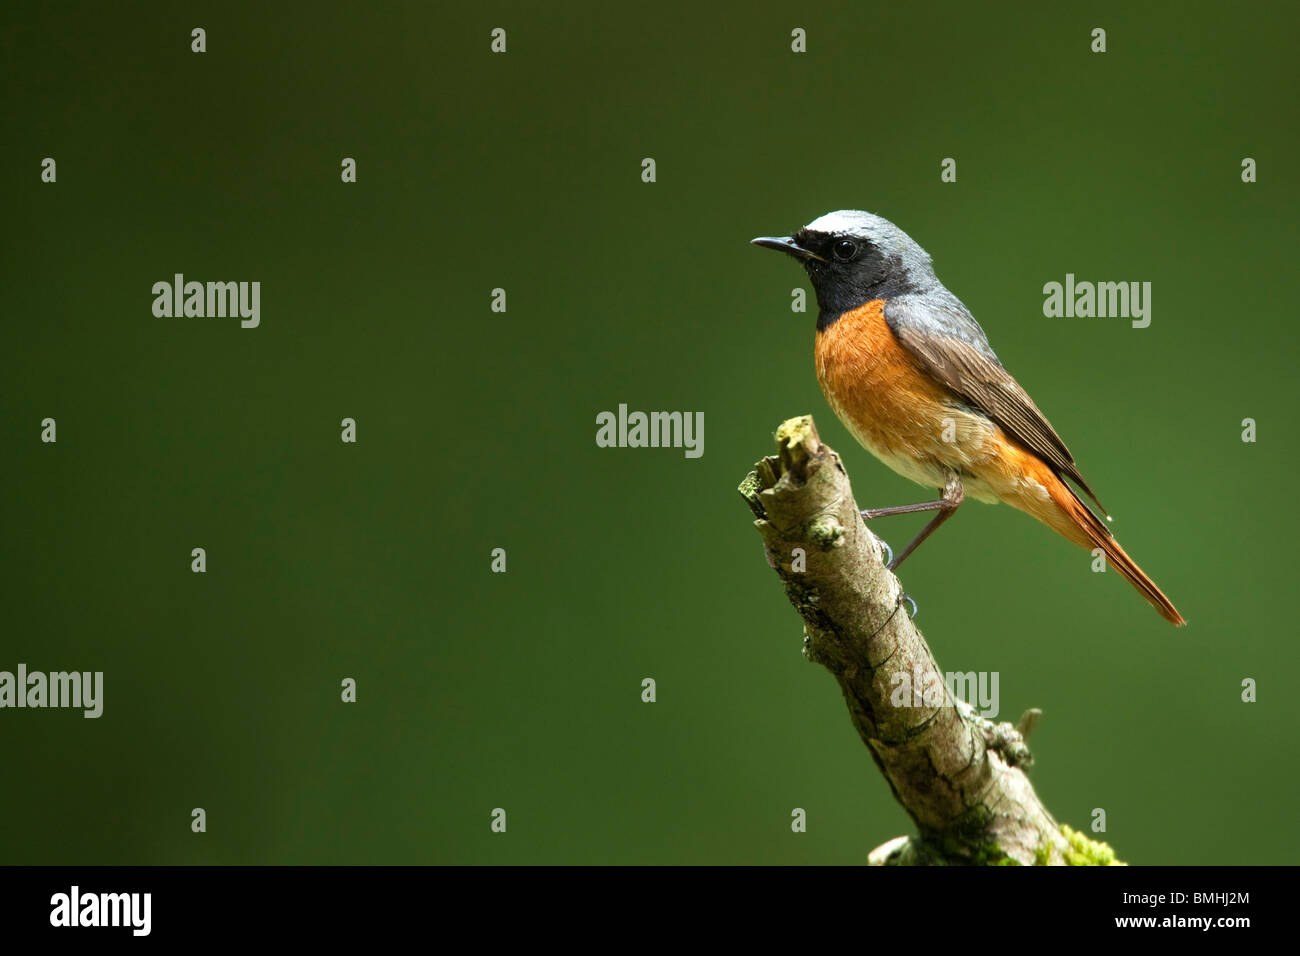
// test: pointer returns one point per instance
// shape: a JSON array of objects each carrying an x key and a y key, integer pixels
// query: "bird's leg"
[
  {"x": 870, "y": 513},
  {"x": 953, "y": 495}
]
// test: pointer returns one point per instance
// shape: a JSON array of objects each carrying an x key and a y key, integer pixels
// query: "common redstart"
[{"x": 910, "y": 373}]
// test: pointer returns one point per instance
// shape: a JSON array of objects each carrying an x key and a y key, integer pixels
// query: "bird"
[{"x": 911, "y": 374}]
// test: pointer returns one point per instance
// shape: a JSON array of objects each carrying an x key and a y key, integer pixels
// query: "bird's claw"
[
  {"x": 889, "y": 563},
  {"x": 904, "y": 596}
]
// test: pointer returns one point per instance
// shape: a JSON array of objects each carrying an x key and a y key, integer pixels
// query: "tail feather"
[{"x": 1085, "y": 528}]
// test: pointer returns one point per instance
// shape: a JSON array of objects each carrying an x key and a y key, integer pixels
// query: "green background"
[{"x": 476, "y": 430}]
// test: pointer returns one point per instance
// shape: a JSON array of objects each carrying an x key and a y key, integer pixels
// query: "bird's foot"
[
  {"x": 889, "y": 563},
  {"x": 904, "y": 596}
]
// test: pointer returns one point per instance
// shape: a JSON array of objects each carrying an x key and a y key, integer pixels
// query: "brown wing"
[{"x": 984, "y": 383}]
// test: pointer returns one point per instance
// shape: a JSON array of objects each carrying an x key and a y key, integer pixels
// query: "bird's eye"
[{"x": 845, "y": 249}]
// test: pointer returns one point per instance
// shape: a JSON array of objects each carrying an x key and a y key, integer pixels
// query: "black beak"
[{"x": 787, "y": 245}]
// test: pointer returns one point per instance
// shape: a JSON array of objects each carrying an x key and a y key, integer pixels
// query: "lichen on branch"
[{"x": 959, "y": 776}]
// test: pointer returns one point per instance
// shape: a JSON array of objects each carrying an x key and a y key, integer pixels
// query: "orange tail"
[{"x": 1075, "y": 520}]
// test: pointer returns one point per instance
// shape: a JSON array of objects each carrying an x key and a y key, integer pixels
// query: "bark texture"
[{"x": 960, "y": 777}]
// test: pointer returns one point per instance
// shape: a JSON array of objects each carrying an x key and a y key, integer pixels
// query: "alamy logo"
[
  {"x": 1123, "y": 300},
  {"x": 922, "y": 688},
  {"x": 651, "y": 430},
  {"x": 102, "y": 909},
  {"x": 83, "y": 690},
  {"x": 212, "y": 300}
]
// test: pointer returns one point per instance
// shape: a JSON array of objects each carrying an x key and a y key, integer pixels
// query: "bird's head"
[{"x": 853, "y": 257}]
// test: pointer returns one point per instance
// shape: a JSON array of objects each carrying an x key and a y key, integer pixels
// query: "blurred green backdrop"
[{"x": 476, "y": 429}]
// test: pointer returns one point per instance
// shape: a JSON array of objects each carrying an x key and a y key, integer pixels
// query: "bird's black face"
[{"x": 846, "y": 270}]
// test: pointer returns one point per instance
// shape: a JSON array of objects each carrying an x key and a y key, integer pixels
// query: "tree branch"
[{"x": 959, "y": 776}]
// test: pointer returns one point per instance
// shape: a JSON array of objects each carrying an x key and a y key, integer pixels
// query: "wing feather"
[{"x": 966, "y": 365}]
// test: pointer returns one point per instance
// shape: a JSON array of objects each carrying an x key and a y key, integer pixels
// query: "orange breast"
[
  {"x": 903, "y": 416},
  {"x": 875, "y": 386}
]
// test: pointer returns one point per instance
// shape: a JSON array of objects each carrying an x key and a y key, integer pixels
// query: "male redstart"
[{"x": 910, "y": 373}]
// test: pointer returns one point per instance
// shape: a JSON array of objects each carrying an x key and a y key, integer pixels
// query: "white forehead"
[
  {"x": 880, "y": 232},
  {"x": 853, "y": 222}
]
